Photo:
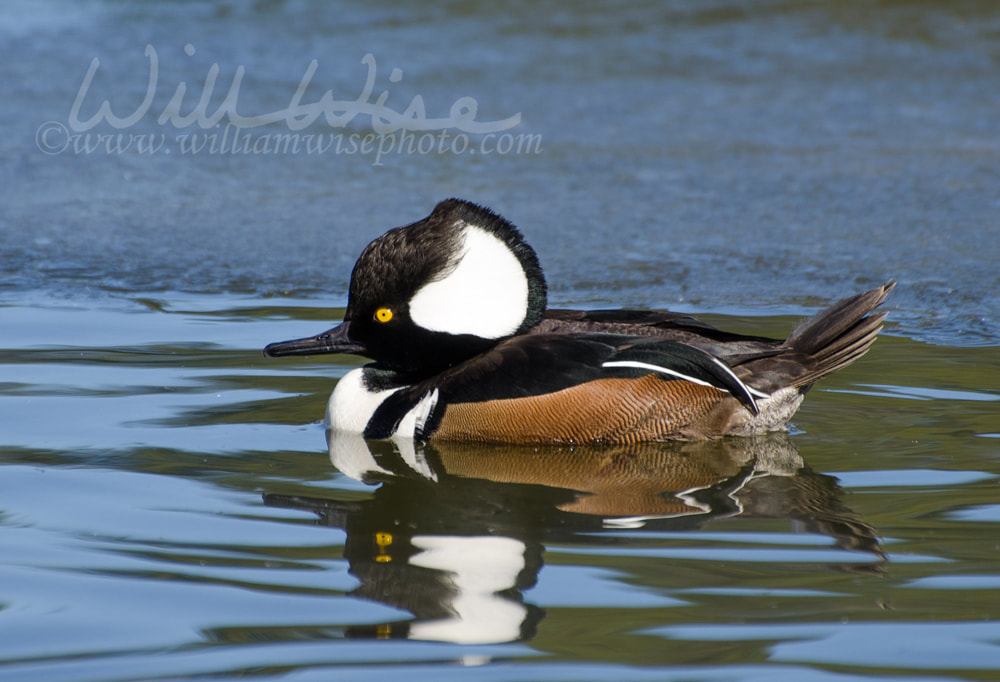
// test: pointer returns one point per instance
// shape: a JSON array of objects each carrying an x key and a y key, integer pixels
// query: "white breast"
[{"x": 352, "y": 405}]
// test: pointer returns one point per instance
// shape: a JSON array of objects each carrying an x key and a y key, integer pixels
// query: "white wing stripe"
[
  {"x": 656, "y": 368},
  {"x": 750, "y": 392}
]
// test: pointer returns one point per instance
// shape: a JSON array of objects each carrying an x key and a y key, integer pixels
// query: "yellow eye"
[{"x": 383, "y": 314}]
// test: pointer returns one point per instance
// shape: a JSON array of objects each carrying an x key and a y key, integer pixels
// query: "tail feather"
[
  {"x": 829, "y": 362},
  {"x": 837, "y": 336},
  {"x": 821, "y": 345},
  {"x": 864, "y": 332},
  {"x": 819, "y": 331}
]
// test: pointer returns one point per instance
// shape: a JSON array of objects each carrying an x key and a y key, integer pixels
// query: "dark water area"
[
  {"x": 690, "y": 152},
  {"x": 170, "y": 506}
]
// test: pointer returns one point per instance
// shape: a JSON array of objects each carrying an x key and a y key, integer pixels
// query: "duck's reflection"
[{"x": 455, "y": 532}]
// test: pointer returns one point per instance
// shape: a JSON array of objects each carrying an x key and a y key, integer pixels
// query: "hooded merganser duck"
[{"x": 452, "y": 309}]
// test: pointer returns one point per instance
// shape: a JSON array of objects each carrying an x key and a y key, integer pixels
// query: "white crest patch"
[
  {"x": 478, "y": 568},
  {"x": 486, "y": 294}
]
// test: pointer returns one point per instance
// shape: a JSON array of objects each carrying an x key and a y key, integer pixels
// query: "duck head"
[{"x": 429, "y": 295}]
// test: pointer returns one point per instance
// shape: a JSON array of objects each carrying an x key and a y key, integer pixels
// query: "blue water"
[{"x": 168, "y": 504}]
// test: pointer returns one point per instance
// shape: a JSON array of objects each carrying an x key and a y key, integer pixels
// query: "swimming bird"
[{"x": 452, "y": 311}]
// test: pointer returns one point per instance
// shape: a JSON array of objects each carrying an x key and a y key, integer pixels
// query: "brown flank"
[{"x": 606, "y": 410}]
